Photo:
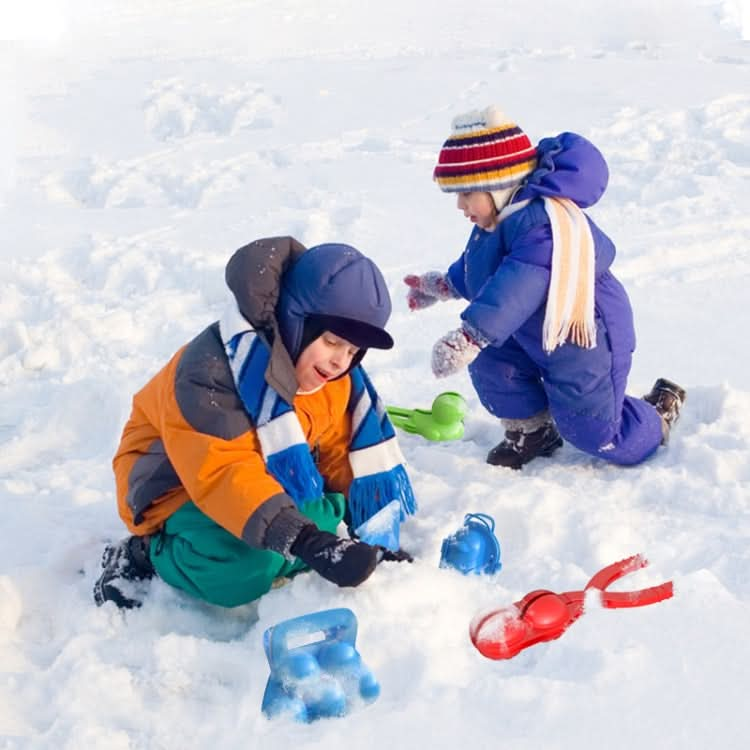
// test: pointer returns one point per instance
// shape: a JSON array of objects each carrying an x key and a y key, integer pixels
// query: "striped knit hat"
[{"x": 486, "y": 152}]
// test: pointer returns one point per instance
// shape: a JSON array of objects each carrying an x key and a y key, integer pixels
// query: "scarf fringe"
[
  {"x": 295, "y": 470},
  {"x": 582, "y": 334},
  {"x": 371, "y": 493}
]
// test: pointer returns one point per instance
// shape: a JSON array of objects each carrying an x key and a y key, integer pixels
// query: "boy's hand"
[
  {"x": 453, "y": 352},
  {"x": 342, "y": 561},
  {"x": 427, "y": 289}
]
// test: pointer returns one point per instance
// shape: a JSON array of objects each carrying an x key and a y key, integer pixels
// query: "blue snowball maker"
[
  {"x": 383, "y": 528},
  {"x": 474, "y": 548},
  {"x": 316, "y": 672}
]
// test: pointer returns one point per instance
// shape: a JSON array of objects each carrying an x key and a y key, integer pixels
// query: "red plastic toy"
[{"x": 543, "y": 615}]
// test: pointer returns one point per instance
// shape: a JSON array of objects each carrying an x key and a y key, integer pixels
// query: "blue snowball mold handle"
[{"x": 316, "y": 671}]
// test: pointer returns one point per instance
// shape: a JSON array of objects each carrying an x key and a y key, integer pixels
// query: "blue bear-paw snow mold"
[
  {"x": 313, "y": 677},
  {"x": 474, "y": 548}
]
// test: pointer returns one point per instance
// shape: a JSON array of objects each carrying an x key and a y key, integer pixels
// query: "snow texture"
[{"x": 141, "y": 143}]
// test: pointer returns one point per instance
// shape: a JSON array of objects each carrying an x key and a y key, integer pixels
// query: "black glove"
[
  {"x": 399, "y": 555},
  {"x": 342, "y": 561},
  {"x": 345, "y": 562}
]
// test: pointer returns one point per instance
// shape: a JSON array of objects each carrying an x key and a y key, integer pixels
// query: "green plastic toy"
[{"x": 445, "y": 421}]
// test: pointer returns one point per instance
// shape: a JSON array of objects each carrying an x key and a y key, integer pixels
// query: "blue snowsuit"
[{"x": 505, "y": 275}]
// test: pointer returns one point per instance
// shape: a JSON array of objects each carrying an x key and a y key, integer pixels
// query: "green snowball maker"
[{"x": 445, "y": 421}]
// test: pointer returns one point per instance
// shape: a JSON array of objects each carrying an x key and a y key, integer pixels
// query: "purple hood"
[{"x": 569, "y": 166}]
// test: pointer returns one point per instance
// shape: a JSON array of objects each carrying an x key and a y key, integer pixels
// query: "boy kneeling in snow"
[{"x": 231, "y": 468}]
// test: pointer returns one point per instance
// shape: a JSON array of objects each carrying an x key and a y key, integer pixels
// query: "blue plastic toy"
[
  {"x": 474, "y": 548},
  {"x": 383, "y": 528},
  {"x": 313, "y": 678}
]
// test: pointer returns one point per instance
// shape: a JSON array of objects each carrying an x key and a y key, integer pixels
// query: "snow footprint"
[{"x": 174, "y": 110}]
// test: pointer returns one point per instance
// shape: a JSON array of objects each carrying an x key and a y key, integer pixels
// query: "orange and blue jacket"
[{"x": 189, "y": 438}]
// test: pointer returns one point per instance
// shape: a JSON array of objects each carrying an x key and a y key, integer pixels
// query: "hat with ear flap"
[
  {"x": 342, "y": 291},
  {"x": 486, "y": 152}
]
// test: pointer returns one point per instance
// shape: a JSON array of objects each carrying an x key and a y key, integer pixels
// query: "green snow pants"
[{"x": 196, "y": 555}]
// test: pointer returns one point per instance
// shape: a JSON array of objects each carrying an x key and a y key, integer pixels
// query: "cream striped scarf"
[{"x": 570, "y": 300}]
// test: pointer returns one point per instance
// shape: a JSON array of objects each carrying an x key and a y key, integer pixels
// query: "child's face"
[
  {"x": 479, "y": 208},
  {"x": 327, "y": 357}
]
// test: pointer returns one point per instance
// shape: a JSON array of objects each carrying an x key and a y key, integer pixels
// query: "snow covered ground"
[{"x": 141, "y": 143}]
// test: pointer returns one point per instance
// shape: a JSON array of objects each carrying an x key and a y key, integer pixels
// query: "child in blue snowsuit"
[{"x": 548, "y": 333}]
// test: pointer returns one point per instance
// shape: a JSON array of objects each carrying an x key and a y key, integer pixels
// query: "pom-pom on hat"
[{"x": 486, "y": 152}]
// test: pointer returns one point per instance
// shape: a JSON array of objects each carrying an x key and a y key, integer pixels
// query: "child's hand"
[
  {"x": 344, "y": 562},
  {"x": 427, "y": 289},
  {"x": 453, "y": 352}
]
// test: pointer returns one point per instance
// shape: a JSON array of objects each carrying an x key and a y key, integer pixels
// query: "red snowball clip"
[{"x": 543, "y": 615}]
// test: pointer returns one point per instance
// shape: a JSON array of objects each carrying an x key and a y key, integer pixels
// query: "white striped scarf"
[{"x": 374, "y": 455}]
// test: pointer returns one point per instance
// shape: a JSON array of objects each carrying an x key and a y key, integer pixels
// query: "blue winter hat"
[{"x": 341, "y": 290}]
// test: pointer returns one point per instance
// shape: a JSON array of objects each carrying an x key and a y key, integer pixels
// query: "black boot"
[
  {"x": 125, "y": 564},
  {"x": 521, "y": 446},
  {"x": 667, "y": 398}
]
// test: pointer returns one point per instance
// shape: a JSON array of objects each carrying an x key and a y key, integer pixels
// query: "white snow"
[{"x": 141, "y": 143}]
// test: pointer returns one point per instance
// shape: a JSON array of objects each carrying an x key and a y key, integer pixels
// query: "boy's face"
[
  {"x": 327, "y": 357},
  {"x": 479, "y": 208}
]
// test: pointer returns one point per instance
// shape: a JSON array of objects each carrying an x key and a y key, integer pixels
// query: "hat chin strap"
[
  {"x": 356, "y": 359},
  {"x": 502, "y": 197}
]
